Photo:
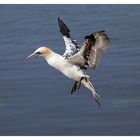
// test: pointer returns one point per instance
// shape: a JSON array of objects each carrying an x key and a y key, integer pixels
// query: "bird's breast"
[
  {"x": 62, "y": 65},
  {"x": 58, "y": 62}
]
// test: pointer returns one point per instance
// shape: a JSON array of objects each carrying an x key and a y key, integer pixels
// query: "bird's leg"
[
  {"x": 77, "y": 85},
  {"x": 74, "y": 87}
]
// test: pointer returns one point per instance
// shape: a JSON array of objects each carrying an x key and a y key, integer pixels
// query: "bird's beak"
[{"x": 31, "y": 56}]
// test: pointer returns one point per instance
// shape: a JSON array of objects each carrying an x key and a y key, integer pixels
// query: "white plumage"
[{"x": 74, "y": 61}]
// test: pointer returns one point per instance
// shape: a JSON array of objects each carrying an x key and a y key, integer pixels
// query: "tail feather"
[{"x": 89, "y": 86}]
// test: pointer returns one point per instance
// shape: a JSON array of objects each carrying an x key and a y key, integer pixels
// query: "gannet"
[{"x": 75, "y": 60}]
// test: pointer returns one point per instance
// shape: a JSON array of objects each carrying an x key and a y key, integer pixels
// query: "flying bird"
[{"x": 75, "y": 60}]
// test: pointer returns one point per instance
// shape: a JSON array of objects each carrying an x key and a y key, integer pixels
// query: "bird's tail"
[{"x": 89, "y": 86}]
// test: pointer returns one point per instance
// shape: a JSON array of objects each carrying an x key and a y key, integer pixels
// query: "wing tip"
[
  {"x": 63, "y": 28},
  {"x": 101, "y": 33},
  {"x": 58, "y": 20}
]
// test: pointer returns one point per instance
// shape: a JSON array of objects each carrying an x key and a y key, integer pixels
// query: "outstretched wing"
[
  {"x": 71, "y": 46},
  {"x": 93, "y": 47}
]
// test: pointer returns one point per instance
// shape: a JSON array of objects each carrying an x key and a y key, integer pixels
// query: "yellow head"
[{"x": 42, "y": 51}]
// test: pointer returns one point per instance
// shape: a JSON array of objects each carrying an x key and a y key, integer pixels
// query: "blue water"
[{"x": 35, "y": 99}]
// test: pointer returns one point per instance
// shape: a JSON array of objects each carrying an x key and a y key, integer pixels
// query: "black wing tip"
[
  {"x": 59, "y": 20},
  {"x": 63, "y": 28}
]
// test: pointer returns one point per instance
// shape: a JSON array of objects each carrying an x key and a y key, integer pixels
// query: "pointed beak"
[{"x": 31, "y": 56}]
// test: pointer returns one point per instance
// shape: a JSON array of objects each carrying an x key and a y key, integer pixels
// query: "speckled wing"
[
  {"x": 71, "y": 46},
  {"x": 93, "y": 47}
]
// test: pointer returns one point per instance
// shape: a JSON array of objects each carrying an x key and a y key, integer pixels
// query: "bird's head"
[{"x": 42, "y": 51}]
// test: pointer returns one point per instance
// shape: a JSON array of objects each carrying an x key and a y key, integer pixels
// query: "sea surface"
[{"x": 35, "y": 98}]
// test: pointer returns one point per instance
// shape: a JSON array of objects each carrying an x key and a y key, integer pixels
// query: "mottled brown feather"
[{"x": 93, "y": 47}]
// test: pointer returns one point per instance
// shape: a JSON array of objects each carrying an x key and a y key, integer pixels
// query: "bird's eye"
[{"x": 38, "y": 53}]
